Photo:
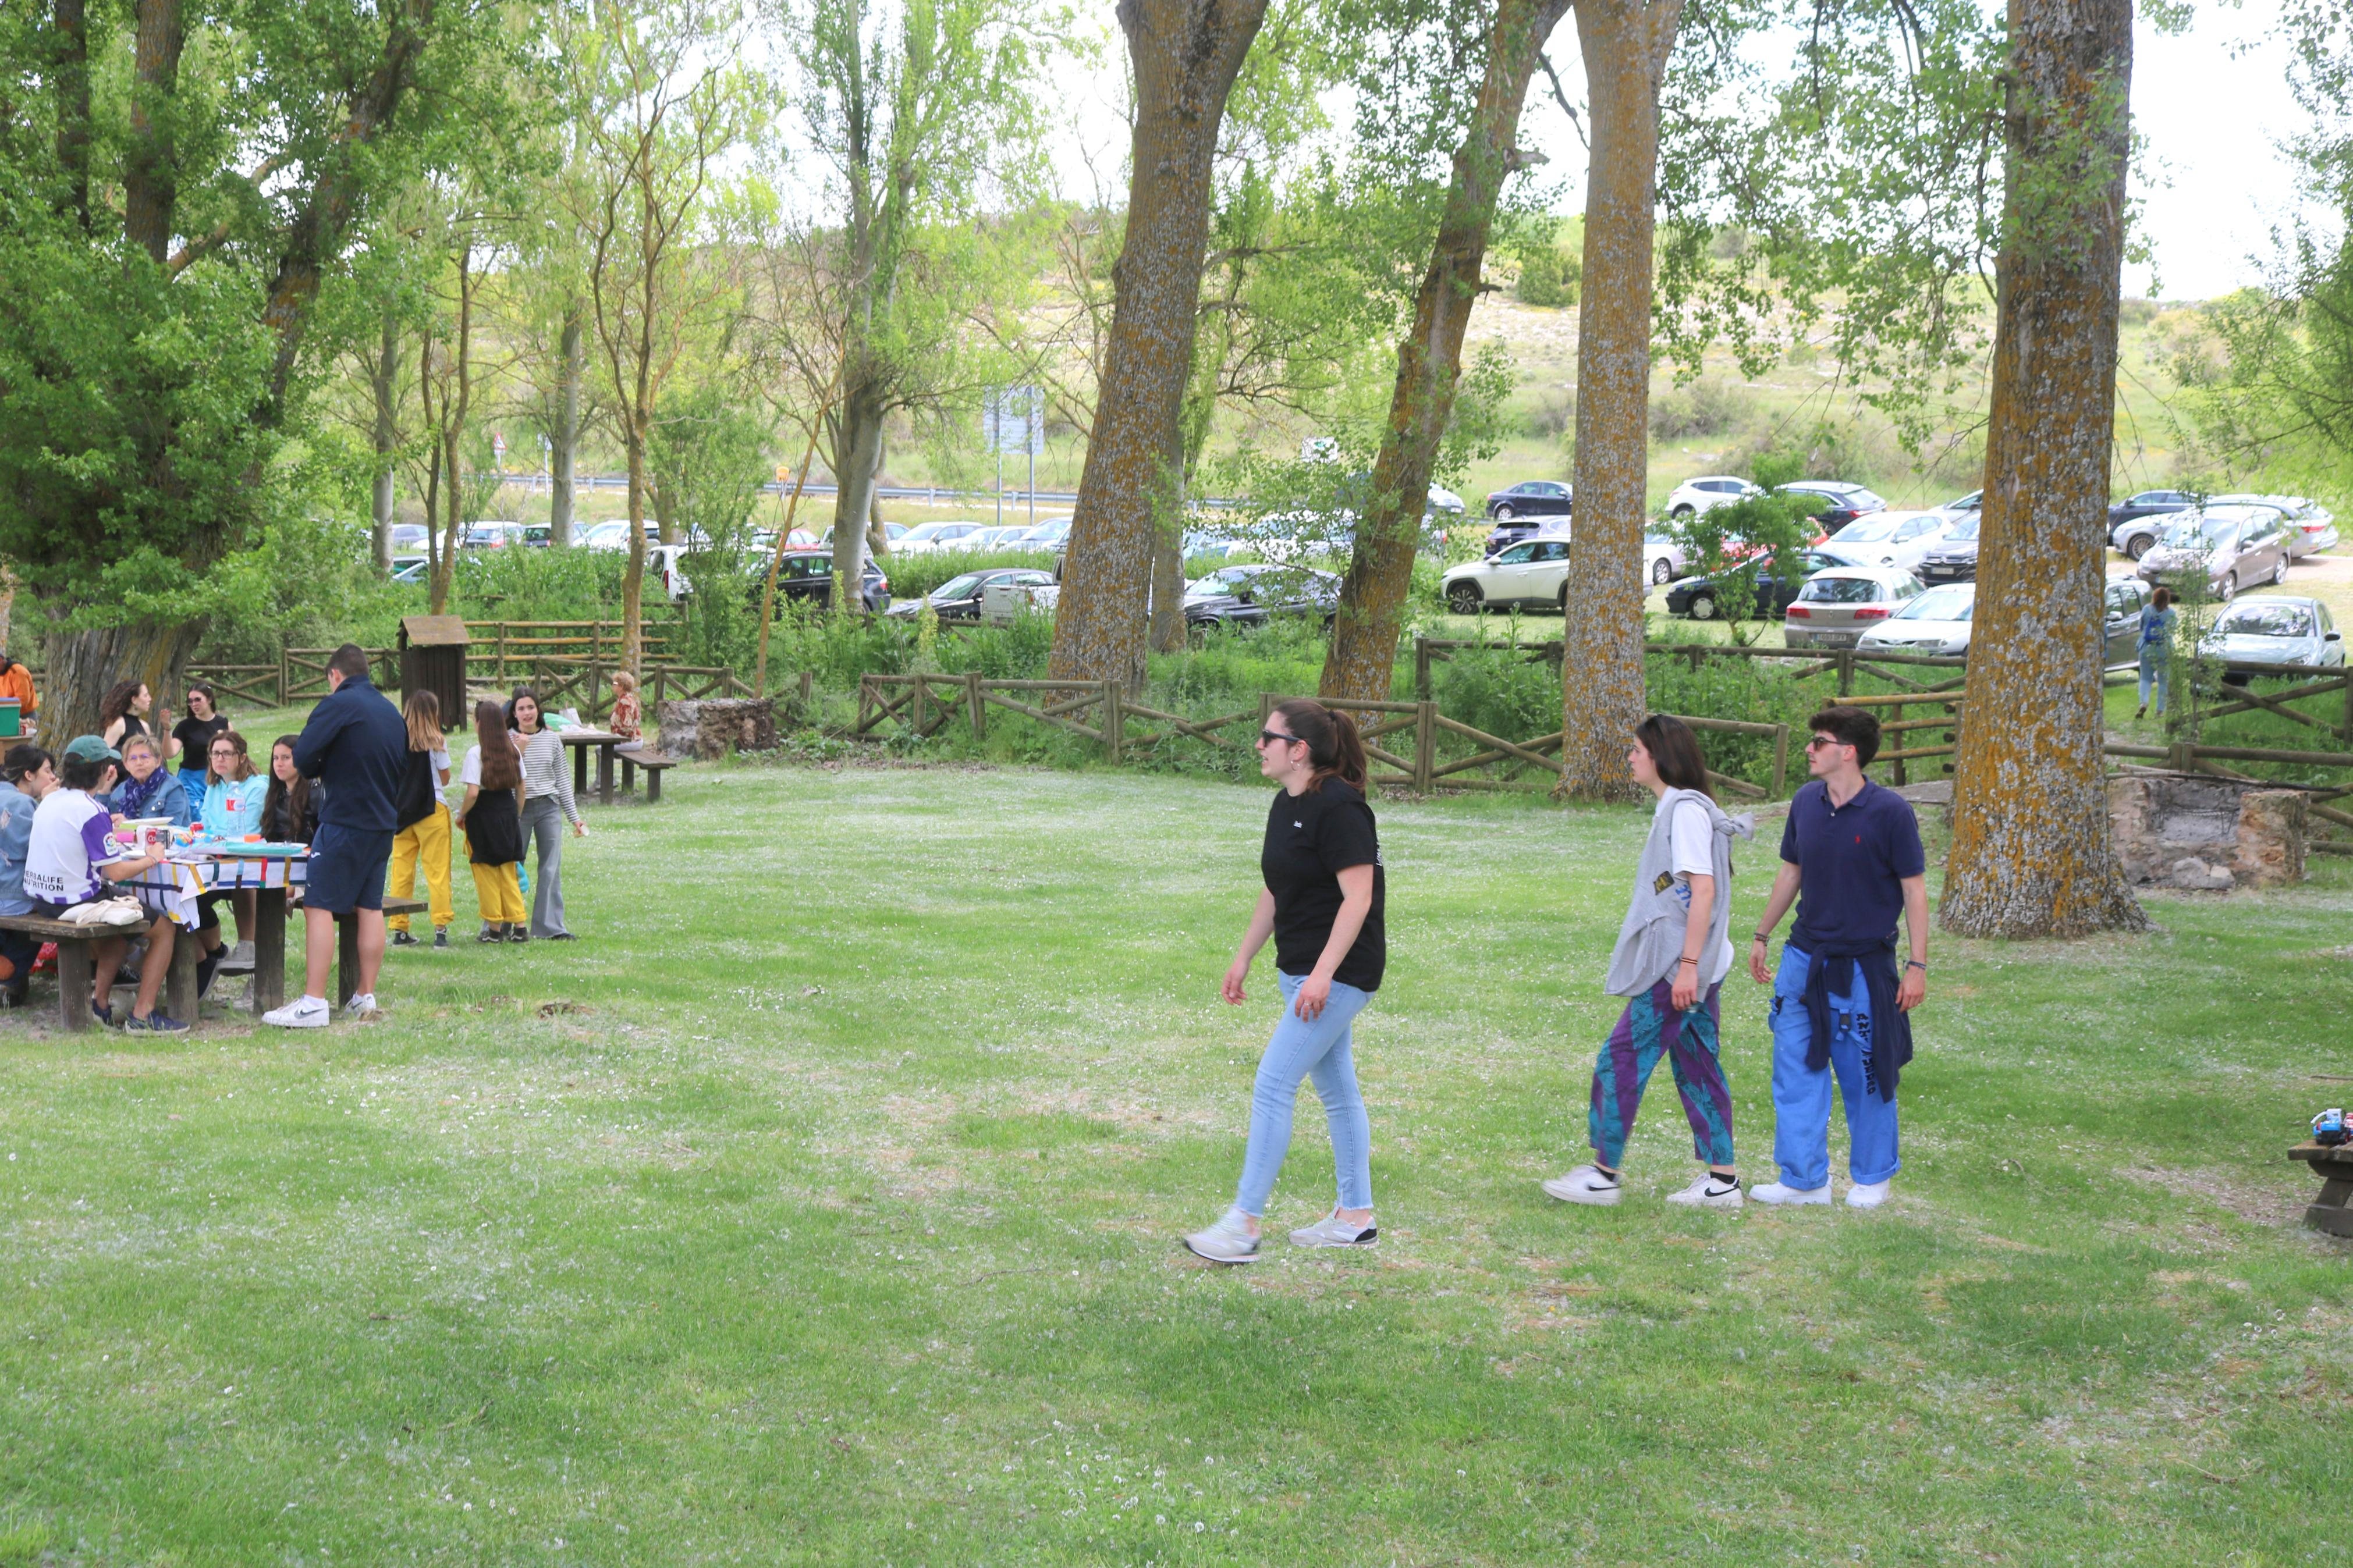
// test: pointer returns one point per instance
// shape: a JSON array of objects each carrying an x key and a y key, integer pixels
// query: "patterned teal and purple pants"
[{"x": 1649, "y": 1027}]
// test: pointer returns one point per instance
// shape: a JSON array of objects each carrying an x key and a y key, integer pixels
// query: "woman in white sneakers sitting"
[{"x": 1672, "y": 956}]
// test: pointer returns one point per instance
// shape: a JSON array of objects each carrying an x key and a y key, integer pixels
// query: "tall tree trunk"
[
  {"x": 878, "y": 537},
  {"x": 1625, "y": 44},
  {"x": 151, "y": 175},
  {"x": 1363, "y": 652},
  {"x": 633, "y": 578},
  {"x": 384, "y": 381},
  {"x": 2033, "y": 852},
  {"x": 1185, "y": 55},
  {"x": 83, "y": 665},
  {"x": 857, "y": 453},
  {"x": 563, "y": 443}
]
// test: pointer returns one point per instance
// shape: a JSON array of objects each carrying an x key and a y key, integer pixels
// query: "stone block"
[
  {"x": 707, "y": 727},
  {"x": 2194, "y": 831}
]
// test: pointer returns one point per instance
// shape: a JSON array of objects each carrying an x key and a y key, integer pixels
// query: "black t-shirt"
[
  {"x": 194, "y": 739},
  {"x": 1310, "y": 838}
]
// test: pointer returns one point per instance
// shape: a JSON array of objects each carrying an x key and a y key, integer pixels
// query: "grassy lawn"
[{"x": 820, "y": 1206}]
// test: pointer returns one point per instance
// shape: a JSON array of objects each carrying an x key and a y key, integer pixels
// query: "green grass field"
[{"x": 820, "y": 1207}]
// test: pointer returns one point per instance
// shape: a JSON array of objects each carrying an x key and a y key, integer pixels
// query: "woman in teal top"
[
  {"x": 233, "y": 790},
  {"x": 2156, "y": 624}
]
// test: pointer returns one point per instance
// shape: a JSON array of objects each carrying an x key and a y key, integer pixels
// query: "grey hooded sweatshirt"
[{"x": 1651, "y": 938}]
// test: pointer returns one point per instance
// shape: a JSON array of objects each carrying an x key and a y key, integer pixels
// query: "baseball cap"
[{"x": 91, "y": 749}]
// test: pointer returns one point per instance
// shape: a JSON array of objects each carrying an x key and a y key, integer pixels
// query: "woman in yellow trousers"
[
  {"x": 424, "y": 836},
  {"x": 492, "y": 815}
]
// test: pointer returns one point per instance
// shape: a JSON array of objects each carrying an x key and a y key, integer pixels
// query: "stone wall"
[
  {"x": 2186, "y": 830},
  {"x": 708, "y": 729}
]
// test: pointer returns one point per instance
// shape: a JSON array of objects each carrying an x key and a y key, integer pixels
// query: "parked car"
[
  {"x": 1533, "y": 573},
  {"x": 2231, "y": 547},
  {"x": 2310, "y": 526},
  {"x": 2273, "y": 628},
  {"x": 2126, "y": 598},
  {"x": 1253, "y": 592},
  {"x": 1899, "y": 538},
  {"x": 1701, "y": 598},
  {"x": 492, "y": 535},
  {"x": 764, "y": 540},
  {"x": 2147, "y": 503},
  {"x": 926, "y": 536},
  {"x": 958, "y": 598},
  {"x": 1971, "y": 502},
  {"x": 894, "y": 531},
  {"x": 614, "y": 534},
  {"x": 1530, "y": 498},
  {"x": 1441, "y": 502},
  {"x": 1842, "y": 502},
  {"x": 1708, "y": 492},
  {"x": 1837, "y": 606},
  {"x": 809, "y": 574},
  {"x": 1049, "y": 535},
  {"x": 999, "y": 537},
  {"x": 1205, "y": 546},
  {"x": 406, "y": 538},
  {"x": 410, "y": 568},
  {"x": 1936, "y": 622},
  {"x": 1663, "y": 557},
  {"x": 1953, "y": 558}
]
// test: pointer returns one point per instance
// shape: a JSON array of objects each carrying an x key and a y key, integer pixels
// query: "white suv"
[{"x": 1708, "y": 492}]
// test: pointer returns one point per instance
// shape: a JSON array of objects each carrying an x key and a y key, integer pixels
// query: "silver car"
[
  {"x": 1836, "y": 607},
  {"x": 2273, "y": 628},
  {"x": 2230, "y": 547},
  {"x": 2310, "y": 526},
  {"x": 1936, "y": 622}
]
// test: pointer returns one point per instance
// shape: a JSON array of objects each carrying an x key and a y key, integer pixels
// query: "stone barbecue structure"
[
  {"x": 2198, "y": 832},
  {"x": 708, "y": 729}
]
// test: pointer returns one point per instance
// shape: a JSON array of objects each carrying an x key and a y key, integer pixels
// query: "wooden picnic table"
[
  {"x": 265, "y": 877},
  {"x": 605, "y": 744},
  {"x": 2332, "y": 1211}
]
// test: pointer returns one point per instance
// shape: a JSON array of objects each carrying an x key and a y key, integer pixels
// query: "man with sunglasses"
[{"x": 1841, "y": 1003}]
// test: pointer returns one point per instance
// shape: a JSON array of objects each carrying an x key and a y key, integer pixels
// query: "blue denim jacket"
[{"x": 16, "y": 838}]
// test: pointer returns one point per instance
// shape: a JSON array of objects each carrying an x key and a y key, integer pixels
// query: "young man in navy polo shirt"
[{"x": 1841, "y": 1003}]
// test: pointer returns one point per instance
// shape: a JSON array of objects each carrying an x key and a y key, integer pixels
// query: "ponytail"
[{"x": 1333, "y": 746}]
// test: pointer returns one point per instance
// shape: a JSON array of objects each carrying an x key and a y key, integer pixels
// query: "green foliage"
[
  {"x": 1733, "y": 543},
  {"x": 1550, "y": 276},
  {"x": 308, "y": 584},
  {"x": 1708, "y": 407}
]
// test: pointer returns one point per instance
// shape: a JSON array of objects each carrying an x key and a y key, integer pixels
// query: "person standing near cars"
[
  {"x": 1841, "y": 1006},
  {"x": 548, "y": 805},
  {"x": 1672, "y": 956},
  {"x": 2155, "y": 649},
  {"x": 1322, "y": 902},
  {"x": 356, "y": 746}
]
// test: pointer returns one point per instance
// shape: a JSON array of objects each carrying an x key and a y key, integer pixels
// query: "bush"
[
  {"x": 1706, "y": 407},
  {"x": 1549, "y": 277}
]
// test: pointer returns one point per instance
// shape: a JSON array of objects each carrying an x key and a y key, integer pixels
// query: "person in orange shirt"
[{"x": 17, "y": 681}]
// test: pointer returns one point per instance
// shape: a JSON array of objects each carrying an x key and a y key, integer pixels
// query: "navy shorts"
[{"x": 346, "y": 869}]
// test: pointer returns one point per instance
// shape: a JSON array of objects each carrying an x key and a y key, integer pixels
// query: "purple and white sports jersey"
[{"x": 69, "y": 843}]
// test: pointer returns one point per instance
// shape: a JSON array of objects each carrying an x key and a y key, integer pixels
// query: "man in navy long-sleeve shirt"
[{"x": 356, "y": 745}]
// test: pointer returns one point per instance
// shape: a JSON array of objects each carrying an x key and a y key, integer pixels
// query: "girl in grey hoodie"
[{"x": 1671, "y": 958}]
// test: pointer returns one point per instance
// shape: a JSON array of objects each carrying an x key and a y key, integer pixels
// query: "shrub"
[
  {"x": 1549, "y": 277},
  {"x": 1706, "y": 407}
]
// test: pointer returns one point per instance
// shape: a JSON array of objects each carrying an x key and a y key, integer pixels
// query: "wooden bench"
[
  {"x": 74, "y": 966},
  {"x": 655, "y": 764},
  {"x": 2332, "y": 1211}
]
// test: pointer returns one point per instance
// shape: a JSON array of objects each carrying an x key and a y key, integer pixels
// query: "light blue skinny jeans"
[
  {"x": 1301, "y": 1049},
  {"x": 2156, "y": 669}
]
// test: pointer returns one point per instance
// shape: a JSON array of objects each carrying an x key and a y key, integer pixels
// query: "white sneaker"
[
  {"x": 238, "y": 960},
  {"x": 1709, "y": 1191},
  {"x": 1585, "y": 1185},
  {"x": 361, "y": 1007},
  {"x": 1334, "y": 1231},
  {"x": 1782, "y": 1193},
  {"x": 302, "y": 1013},
  {"x": 1227, "y": 1241},
  {"x": 1867, "y": 1194}
]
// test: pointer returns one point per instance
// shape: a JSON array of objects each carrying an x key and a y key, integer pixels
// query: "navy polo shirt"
[{"x": 1852, "y": 859}]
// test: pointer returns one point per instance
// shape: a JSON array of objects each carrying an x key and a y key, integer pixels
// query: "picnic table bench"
[
  {"x": 75, "y": 965},
  {"x": 655, "y": 764},
  {"x": 2332, "y": 1211}
]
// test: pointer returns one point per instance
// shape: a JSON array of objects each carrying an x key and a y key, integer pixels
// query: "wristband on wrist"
[
  {"x": 1760, "y": 936},
  {"x": 1915, "y": 964},
  {"x": 1692, "y": 961}
]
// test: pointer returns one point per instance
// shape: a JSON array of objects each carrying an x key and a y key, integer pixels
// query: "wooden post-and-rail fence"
[{"x": 1102, "y": 712}]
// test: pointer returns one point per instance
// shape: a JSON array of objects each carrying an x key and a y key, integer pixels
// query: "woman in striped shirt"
[{"x": 548, "y": 805}]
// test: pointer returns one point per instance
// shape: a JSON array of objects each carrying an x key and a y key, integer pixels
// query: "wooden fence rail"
[
  {"x": 922, "y": 705},
  {"x": 300, "y": 676}
]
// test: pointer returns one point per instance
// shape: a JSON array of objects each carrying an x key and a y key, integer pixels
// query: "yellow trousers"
[
  {"x": 496, "y": 889},
  {"x": 427, "y": 842}
]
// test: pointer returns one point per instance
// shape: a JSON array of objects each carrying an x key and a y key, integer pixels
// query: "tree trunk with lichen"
[
  {"x": 2034, "y": 851},
  {"x": 1185, "y": 55},
  {"x": 1625, "y": 44},
  {"x": 1360, "y": 661}
]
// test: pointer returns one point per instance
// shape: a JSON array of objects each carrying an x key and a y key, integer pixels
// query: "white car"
[
  {"x": 1664, "y": 559},
  {"x": 2273, "y": 628},
  {"x": 926, "y": 536},
  {"x": 1897, "y": 537},
  {"x": 1837, "y": 606},
  {"x": 1006, "y": 537},
  {"x": 1532, "y": 574},
  {"x": 1708, "y": 492},
  {"x": 1936, "y": 622},
  {"x": 2310, "y": 526}
]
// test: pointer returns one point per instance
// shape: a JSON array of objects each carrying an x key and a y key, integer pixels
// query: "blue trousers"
[
  {"x": 2155, "y": 670},
  {"x": 1802, "y": 1097},
  {"x": 1302, "y": 1049}
]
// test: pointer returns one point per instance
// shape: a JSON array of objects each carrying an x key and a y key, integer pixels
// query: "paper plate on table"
[{"x": 253, "y": 851}]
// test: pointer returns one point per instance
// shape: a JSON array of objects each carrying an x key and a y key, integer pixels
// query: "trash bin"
[{"x": 433, "y": 658}]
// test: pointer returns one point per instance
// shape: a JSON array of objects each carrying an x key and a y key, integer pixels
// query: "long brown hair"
[
  {"x": 293, "y": 800},
  {"x": 1333, "y": 747},
  {"x": 244, "y": 759},
  {"x": 502, "y": 766},
  {"x": 422, "y": 714},
  {"x": 117, "y": 703},
  {"x": 1675, "y": 752}
]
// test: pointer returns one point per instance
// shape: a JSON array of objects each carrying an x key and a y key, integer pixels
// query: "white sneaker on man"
[
  {"x": 1709, "y": 1191},
  {"x": 1334, "y": 1231},
  {"x": 1867, "y": 1194},
  {"x": 1227, "y": 1241},
  {"x": 1586, "y": 1185},
  {"x": 302, "y": 1013},
  {"x": 361, "y": 1007},
  {"x": 1781, "y": 1193}
]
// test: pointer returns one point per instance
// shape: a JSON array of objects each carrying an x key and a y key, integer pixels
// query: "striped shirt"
[{"x": 545, "y": 770}]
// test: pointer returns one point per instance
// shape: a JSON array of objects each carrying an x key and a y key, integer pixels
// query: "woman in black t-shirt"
[
  {"x": 1322, "y": 905},
  {"x": 193, "y": 737}
]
